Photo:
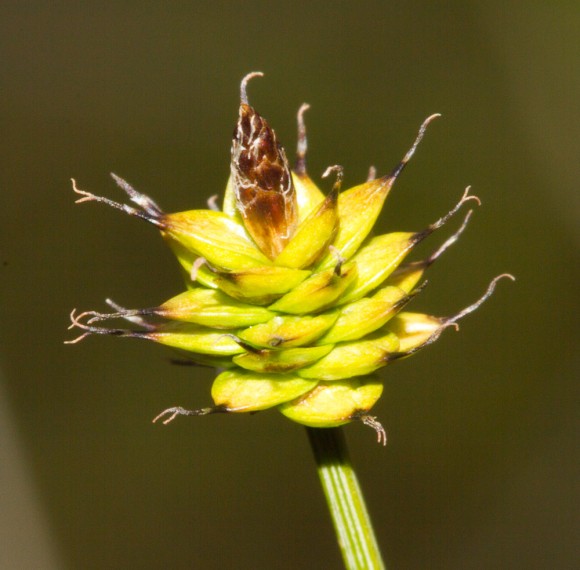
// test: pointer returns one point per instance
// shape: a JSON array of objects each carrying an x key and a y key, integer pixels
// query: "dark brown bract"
[{"x": 262, "y": 183}]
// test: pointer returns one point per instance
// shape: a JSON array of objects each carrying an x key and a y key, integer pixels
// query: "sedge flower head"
[{"x": 288, "y": 294}]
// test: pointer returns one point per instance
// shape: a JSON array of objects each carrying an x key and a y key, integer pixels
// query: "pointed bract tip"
[
  {"x": 431, "y": 118},
  {"x": 212, "y": 203},
  {"x": 489, "y": 292},
  {"x": 422, "y": 129},
  {"x": 303, "y": 108},
  {"x": 244, "y": 85},
  {"x": 340, "y": 260},
  {"x": 195, "y": 267},
  {"x": 246, "y": 346},
  {"x": 421, "y": 132},
  {"x": 86, "y": 196},
  {"x": 449, "y": 242},
  {"x": 73, "y": 324},
  {"x": 179, "y": 411},
  {"x": 302, "y": 144},
  {"x": 372, "y": 422},
  {"x": 89, "y": 329},
  {"x": 72, "y": 317},
  {"x": 334, "y": 168},
  {"x": 467, "y": 196},
  {"x": 339, "y": 176}
]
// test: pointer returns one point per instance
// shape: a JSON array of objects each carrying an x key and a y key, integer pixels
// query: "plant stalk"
[{"x": 352, "y": 524}]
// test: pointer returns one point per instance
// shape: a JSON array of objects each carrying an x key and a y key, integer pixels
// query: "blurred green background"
[{"x": 481, "y": 467}]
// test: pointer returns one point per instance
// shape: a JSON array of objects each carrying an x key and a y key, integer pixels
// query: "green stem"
[{"x": 354, "y": 530}]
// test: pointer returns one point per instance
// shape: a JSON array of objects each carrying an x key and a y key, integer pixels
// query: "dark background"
[{"x": 481, "y": 466}]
